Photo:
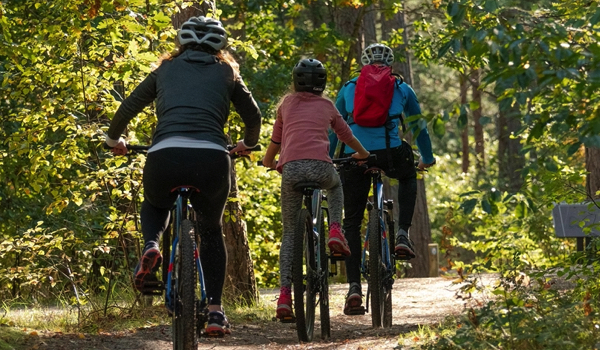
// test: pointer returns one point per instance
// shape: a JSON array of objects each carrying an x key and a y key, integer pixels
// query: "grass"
[{"x": 124, "y": 312}]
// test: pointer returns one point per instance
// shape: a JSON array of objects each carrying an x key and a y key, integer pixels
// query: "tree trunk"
[
  {"x": 197, "y": 9},
  {"x": 240, "y": 284},
  {"x": 348, "y": 21},
  {"x": 369, "y": 26},
  {"x": 420, "y": 231},
  {"x": 465, "y": 132},
  {"x": 510, "y": 162},
  {"x": 592, "y": 165},
  {"x": 478, "y": 129}
]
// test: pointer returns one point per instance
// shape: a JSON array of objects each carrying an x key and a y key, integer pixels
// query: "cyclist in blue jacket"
[{"x": 356, "y": 183}]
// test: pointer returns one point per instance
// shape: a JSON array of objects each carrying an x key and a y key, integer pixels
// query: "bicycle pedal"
[
  {"x": 288, "y": 319},
  {"x": 353, "y": 311},
  {"x": 337, "y": 257},
  {"x": 153, "y": 288},
  {"x": 403, "y": 257}
]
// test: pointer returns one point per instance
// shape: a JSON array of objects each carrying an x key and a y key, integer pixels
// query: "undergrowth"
[{"x": 550, "y": 309}]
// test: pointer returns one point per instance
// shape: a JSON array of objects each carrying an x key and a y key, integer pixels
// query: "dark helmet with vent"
[
  {"x": 310, "y": 76},
  {"x": 204, "y": 31}
]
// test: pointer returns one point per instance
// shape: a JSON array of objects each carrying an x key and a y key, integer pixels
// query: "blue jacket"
[{"x": 373, "y": 138}]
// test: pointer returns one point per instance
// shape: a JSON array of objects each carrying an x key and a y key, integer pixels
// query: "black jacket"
[{"x": 193, "y": 92}]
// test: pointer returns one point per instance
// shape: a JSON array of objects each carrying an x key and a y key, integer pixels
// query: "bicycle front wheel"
[
  {"x": 184, "y": 317},
  {"x": 303, "y": 276},
  {"x": 376, "y": 269}
]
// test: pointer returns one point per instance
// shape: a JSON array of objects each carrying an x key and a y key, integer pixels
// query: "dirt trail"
[{"x": 422, "y": 301}]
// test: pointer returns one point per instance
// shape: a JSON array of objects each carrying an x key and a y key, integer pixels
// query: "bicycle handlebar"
[
  {"x": 354, "y": 161},
  {"x": 145, "y": 148}
]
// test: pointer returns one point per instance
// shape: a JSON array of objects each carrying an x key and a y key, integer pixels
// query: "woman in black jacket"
[{"x": 193, "y": 89}]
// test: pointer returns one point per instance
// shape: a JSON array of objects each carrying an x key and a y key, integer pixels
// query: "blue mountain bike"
[
  {"x": 182, "y": 275},
  {"x": 378, "y": 264}
]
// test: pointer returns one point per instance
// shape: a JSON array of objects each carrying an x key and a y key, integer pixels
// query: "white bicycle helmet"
[
  {"x": 377, "y": 53},
  {"x": 203, "y": 31}
]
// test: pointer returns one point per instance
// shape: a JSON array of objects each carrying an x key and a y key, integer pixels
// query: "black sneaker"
[
  {"x": 404, "y": 247},
  {"x": 353, "y": 305},
  {"x": 148, "y": 266},
  {"x": 217, "y": 325}
]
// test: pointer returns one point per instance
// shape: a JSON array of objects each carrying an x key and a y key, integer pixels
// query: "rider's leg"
[
  {"x": 291, "y": 202},
  {"x": 214, "y": 185},
  {"x": 356, "y": 187},
  {"x": 407, "y": 195},
  {"x": 329, "y": 179}
]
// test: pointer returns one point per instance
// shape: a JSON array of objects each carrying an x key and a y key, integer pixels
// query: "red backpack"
[{"x": 373, "y": 95}]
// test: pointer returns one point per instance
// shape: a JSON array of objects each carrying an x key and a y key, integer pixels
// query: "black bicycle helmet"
[
  {"x": 309, "y": 76},
  {"x": 203, "y": 31},
  {"x": 377, "y": 53}
]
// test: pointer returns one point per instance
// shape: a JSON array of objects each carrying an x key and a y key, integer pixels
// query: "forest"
[{"x": 509, "y": 91}]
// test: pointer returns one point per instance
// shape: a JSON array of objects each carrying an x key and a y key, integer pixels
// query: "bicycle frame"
[
  {"x": 181, "y": 211},
  {"x": 378, "y": 204}
]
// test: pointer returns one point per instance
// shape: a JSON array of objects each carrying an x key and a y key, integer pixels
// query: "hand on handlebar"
[
  {"x": 361, "y": 158},
  {"x": 272, "y": 164},
  {"x": 240, "y": 149},
  {"x": 422, "y": 166},
  {"x": 120, "y": 148}
]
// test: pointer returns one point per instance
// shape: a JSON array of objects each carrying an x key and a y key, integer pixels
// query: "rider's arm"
[
  {"x": 275, "y": 145},
  {"x": 246, "y": 106},
  {"x": 423, "y": 141},
  {"x": 361, "y": 152},
  {"x": 141, "y": 97},
  {"x": 269, "y": 159}
]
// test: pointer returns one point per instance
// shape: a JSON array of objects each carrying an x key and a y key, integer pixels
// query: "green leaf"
[
  {"x": 468, "y": 205},
  {"x": 573, "y": 148},
  {"x": 521, "y": 210},
  {"x": 439, "y": 129},
  {"x": 485, "y": 205}
]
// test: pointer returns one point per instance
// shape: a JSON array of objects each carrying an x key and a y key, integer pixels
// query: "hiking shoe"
[
  {"x": 217, "y": 325},
  {"x": 353, "y": 305},
  {"x": 148, "y": 266},
  {"x": 337, "y": 241},
  {"x": 284, "y": 304},
  {"x": 404, "y": 247}
]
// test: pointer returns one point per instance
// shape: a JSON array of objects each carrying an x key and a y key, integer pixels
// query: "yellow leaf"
[{"x": 81, "y": 336}]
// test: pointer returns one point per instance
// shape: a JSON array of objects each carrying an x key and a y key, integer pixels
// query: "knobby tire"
[
  {"x": 303, "y": 268},
  {"x": 324, "y": 293},
  {"x": 388, "y": 314},
  {"x": 184, "y": 319},
  {"x": 375, "y": 268}
]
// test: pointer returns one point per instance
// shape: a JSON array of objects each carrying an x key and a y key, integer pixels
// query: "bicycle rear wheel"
[
  {"x": 376, "y": 270},
  {"x": 184, "y": 293},
  {"x": 389, "y": 276},
  {"x": 324, "y": 287},
  {"x": 303, "y": 280}
]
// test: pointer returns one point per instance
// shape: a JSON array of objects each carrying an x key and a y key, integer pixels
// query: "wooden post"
[{"x": 434, "y": 262}]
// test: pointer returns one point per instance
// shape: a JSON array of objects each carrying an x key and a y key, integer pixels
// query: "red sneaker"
[
  {"x": 284, "y": 304},
  {"x": 337, "y": 241},
  {"x": 148, "y": 265}
]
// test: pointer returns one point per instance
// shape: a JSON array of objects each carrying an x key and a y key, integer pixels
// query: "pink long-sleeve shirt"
[{"x": 303, "y": 121}]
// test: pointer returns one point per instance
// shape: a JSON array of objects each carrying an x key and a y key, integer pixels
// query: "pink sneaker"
[
  {"x": 337, "y": 242},
  {"x": 284, "y": 304}
]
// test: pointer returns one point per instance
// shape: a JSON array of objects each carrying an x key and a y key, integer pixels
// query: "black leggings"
[
  {"x": 207, "y": 170},
  {"x": 356, "y": 185}
]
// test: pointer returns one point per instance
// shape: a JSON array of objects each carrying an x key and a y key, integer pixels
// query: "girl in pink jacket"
[{"x": 301, "y": 134}]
